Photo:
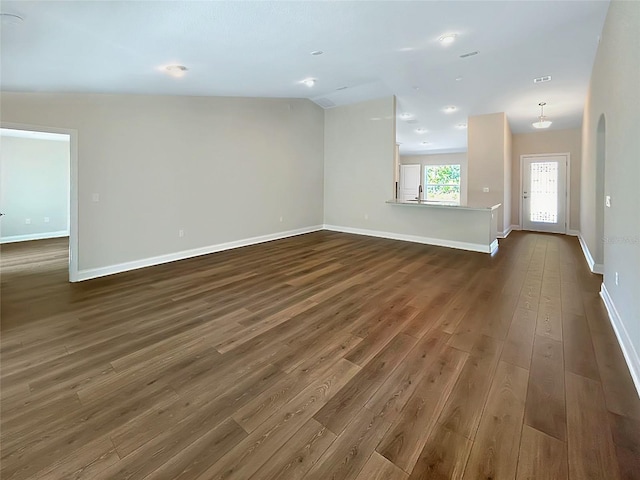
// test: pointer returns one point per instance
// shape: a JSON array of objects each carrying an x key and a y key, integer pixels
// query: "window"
[{"x": 442, "y": 183}]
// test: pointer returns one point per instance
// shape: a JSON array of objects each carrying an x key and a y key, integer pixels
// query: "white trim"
[
  {"x": 626, "y": 345},
  {"x": 573, "y": 233},
  {"x": 440, "y": 242},
  {"x": 593, "y": 266},
  {"x": 506, "y": 233},
  {"x": 172, "y": 257},
  {"x": 73, "y": 187},
  {"x": 567, "y": 215},
  {"x": 34, "y": 236}
]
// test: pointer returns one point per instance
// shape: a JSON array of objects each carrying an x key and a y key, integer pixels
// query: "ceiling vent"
[
  {"x": 546, "y": 78},
  {"x": 324, "y": 102},
  {"x": 470, "y": 54}
]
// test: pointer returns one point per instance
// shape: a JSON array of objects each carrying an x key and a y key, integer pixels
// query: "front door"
[
  {"x": 409, "y": 182},
  {"x": 544, "y": 193}
]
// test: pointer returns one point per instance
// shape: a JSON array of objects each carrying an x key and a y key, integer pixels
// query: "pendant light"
[{"x": 542, "y": 120}]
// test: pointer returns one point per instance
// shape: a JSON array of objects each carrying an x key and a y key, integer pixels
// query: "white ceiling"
[{"x": 375, "y": 48}]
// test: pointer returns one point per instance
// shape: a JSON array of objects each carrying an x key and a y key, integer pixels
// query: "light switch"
[
  {"x": 95, "y": 197},
  {"x": 607, "y": 201}
]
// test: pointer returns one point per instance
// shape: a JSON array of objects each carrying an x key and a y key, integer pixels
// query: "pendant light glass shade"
[{"x": 542, "y": 120}]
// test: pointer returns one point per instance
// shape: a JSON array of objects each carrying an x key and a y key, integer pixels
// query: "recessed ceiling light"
[
  {"x": 458, "y": 79},
  {"x": 450, "y": 109},
  {"x": 309, "y": 82},
  {"x": 421, "y": 130},
  {"x": 317, "y": 52},
  {"x": 416, "y": 88},
  {"x": 11, "y": 19},
  {"x": 406, "y": 115},
  {"x": 448, "y": 38},
  {"x": 461, "y": 126},
  {"x": 176, "y": 70}
]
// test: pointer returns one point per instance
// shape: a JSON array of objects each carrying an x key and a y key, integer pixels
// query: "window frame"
[{"x": 426, "y": 185}]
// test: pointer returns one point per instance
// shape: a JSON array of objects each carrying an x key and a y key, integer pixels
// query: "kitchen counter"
[
  {"x": 469, "y": 227},
  {"x": 425, "y": 203}
]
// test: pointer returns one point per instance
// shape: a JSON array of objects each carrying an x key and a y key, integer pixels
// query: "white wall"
[
  {"x": 444, "y": 159},
  {"x": 34, "y": 176},
  {"x": 221, "y": 169},
  {"x": 615, "y": 93},
  {"x": 359, "y": 167},
  {"x": 553, "y": 141},
  {"x": 487, "y": 146},
  {"x": 508, "y": 175}
]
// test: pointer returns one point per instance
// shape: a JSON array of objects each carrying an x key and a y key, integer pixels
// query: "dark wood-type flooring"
[{"x": 322, "y": 356}]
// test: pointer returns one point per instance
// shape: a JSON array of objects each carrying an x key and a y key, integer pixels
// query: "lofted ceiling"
[{"x": 374, "y": 48}]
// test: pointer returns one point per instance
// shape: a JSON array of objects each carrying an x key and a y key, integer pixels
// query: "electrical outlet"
[
  {"x": 181, "y": 233},
  {"x": 485, "y": 189},
  {"x": 27, "y": 221},
  {"x": 607, "y": 201},
  {"x": 617, "y": 278},
  {"x": 46, "y": 219},
  {"x": 95, "y": 197}
]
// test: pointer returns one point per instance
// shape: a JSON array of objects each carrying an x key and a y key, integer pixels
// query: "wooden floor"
[{"x": 323, "y": 356}]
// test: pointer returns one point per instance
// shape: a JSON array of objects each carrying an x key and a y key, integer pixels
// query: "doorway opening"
[
  {"x": 544, "y": 183},
  {"x": 38, "y": 172}
]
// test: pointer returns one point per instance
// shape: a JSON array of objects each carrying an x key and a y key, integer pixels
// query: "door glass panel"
[{"x": 544, "y": 192}]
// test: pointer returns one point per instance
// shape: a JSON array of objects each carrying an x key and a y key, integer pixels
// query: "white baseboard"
[
  {"x": 172, "y": 257},
  {"x": 593, "y": 266},
  {"x": 505, "y": 233},
  {"x": 474, "y": 247},
  {"x": 34, "y": 236},
  {"x": 628, "y": 350}
]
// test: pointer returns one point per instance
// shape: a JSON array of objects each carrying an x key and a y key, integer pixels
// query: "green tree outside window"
[{"x": 442, "y": 183}]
